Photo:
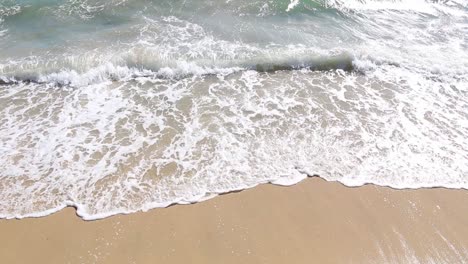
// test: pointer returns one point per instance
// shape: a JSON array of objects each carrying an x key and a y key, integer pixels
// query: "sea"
[{"x": 119, "y": 106}]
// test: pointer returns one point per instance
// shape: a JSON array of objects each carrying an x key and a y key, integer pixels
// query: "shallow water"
[{"x": 120, "y": 106}]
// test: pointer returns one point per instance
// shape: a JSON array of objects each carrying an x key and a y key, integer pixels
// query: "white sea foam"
[
  {"x": 291, "y": 5},
  {"x": 402, "y": 5},
  {"x": 131, "y": 157}
]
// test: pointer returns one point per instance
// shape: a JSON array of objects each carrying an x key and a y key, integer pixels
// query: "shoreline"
[
  {"x": 210, "y": 196},
  {"x": 312, "y": 221}
]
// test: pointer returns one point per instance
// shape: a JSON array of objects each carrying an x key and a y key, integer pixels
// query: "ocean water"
[{"x": 117, "y": 106}]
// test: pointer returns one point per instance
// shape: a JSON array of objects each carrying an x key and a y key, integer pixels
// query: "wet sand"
[{"x": 312, "y": 222}]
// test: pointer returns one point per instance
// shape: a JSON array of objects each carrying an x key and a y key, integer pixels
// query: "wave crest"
[{"x": 79, "y": 71}]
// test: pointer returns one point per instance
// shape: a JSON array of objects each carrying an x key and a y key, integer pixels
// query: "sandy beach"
[
  {"x": 111, "y": 110},
  {"x": 312, "y": 222}
]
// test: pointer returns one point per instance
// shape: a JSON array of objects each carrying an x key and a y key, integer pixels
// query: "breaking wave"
[{"x": 85, "y": 71}]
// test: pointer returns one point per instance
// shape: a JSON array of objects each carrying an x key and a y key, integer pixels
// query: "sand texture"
[{"x": 312, "y": 222}]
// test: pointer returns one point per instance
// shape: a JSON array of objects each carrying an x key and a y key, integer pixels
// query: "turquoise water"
[{"x": 116, "y": 106}]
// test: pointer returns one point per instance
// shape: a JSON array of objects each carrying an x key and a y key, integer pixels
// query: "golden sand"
[{"x": 312, "y": 222}]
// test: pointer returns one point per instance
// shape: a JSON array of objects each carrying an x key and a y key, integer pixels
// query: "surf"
[{"x": 85, "y": 71}]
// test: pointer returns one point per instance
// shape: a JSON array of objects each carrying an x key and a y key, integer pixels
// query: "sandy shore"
[{"x": 312, "y": 222}]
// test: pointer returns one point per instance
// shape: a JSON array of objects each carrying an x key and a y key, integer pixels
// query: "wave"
[{"x": 84, "y": 71}]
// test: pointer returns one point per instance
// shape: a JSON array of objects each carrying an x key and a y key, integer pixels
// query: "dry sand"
[{"x": 312, "y": 222}]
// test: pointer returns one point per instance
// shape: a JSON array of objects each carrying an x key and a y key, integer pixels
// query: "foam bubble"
[{"x": 291, "y": 5}]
